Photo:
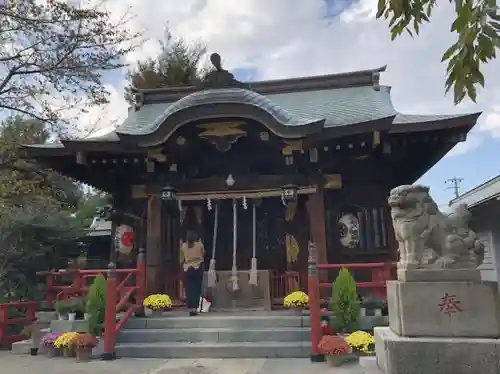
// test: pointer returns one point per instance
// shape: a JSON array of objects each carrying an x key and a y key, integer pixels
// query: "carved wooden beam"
[{"x": 242, "y": 184}]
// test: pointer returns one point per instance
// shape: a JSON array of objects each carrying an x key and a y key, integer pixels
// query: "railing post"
[
  {"x": 3, "y": 324},
  {"x": 35, "y": 328},
  {"x": 77, "y": 283},
  {"x": 110, "y": 315},
  {"x": 50, "y": 296},
  {"x": 314, "y": 304},
  {"x": 140, "y": 282}
]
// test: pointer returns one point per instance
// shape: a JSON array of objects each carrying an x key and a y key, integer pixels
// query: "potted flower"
[
  {"x": 66, "y": 342},
  {"x": 75, "y": 308},
  {"x": 326, "y": 327},
  {"x": 361, "y": 343},
  {"x": 62, "y": 309},
  {"x": 334, "y": 348},
  {"x": 297, "y": 300},
  {"x": 48, "y": 341},
  {"x": 157, "y": 303},
  {"x": 84, "y": 344}
]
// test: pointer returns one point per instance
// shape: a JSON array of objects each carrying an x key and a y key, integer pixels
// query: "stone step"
[
  {"x": 215, "y": 350},
  {"x": 214, "y": 335},
  {"x": 22, "y": 347},
  {"x": 218, "y": 321}
]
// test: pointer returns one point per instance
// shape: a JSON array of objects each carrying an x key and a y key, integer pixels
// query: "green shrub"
[
  {"x": 345, "y": 302},
  {"x": 63, "y": 307},
  {"x": 96, "y": 305}
]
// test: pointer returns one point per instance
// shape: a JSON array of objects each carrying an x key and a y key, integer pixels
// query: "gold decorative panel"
[{"x": 222, "y": 134}]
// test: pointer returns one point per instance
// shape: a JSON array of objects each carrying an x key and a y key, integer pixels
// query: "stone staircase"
[{"x": 216, "y": 335}]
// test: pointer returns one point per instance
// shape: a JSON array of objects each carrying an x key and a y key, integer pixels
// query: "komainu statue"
[{"x": 428, "y": 238}]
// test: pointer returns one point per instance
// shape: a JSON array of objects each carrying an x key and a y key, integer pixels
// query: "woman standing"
[{"x": 192, "y": 255}]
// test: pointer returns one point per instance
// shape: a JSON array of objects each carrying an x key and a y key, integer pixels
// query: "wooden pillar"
[
  {"x": 154, "y": 257},
  {"x": 316, "y": 210}
]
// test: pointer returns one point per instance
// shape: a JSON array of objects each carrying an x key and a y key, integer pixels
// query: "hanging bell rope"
[
  {"x": 211, "y": 276},
  {"x": 234, "y": 270},
  {"x": 253, "y": 269}
]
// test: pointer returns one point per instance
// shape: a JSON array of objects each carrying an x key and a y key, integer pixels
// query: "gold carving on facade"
[
  {"x": 222, "y": 135},
  {"x": 292, "y": 249},
  {"x": 290, "y": 210},
  {"x": 221, "y": 129},
  {"x": 333, "y": 181},
  {"x": 291, "y": 146},
  {"x": 156, "y": 155}
]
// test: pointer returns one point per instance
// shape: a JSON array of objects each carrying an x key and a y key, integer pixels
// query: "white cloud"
[
  {"x": 473, "y": 141},
  {"x": 290, "y": 38},
  {"x": 491, "y": 123}
]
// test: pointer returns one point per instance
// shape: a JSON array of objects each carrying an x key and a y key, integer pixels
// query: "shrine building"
[{"x": 259, "y": 169}]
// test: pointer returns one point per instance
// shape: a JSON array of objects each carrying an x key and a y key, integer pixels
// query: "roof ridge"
[
  {"x": 354, "y": 73},
  {"x": 479, "y": 187},
  {"x": 370, "y": 77}
]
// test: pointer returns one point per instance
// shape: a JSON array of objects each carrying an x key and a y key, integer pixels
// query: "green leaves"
[
  {"x": 177, "y": 64},
  {"x": 36, "y": 231},
  {"x": 477, "y": 25},
  {"x": 345, "y": 302},
  {"x": 55, "y": 54}
]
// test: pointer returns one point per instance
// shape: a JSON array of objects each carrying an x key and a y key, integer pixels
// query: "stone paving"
[{"x": 22, "y": 364}]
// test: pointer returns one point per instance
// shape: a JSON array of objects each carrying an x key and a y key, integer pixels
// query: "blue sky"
[{"x": 475, "y": 167}]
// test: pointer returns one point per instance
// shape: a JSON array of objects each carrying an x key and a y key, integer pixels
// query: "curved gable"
[{"x": 216, "y": 103}]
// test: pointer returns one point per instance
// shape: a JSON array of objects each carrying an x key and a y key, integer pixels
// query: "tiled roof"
[
  {"x": 339, "y": 107},
  {"x": 150, "y": 117}
]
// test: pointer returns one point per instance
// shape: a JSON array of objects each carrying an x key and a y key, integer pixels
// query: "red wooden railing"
[
  {"x": 29, "y": 308},
  {"x": 381, "y": 273},
  {"x": 115, "y": 302},
  {"x": 125, "y": 291}
]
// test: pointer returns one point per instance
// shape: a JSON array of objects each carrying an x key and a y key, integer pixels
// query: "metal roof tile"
[{"x": 339, "y": 107}]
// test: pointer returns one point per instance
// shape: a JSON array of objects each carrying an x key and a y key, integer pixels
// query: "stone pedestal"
[
  {"x": 247, "y": 297},
  {"x": 444, "y": 309},
  {"x": 440, "y": 325}
]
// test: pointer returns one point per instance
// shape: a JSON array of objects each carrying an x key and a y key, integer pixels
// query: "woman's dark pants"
[{"x": 193, "y": 279}]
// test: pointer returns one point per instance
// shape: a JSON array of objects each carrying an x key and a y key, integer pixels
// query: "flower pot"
[
  {"x": 156, "y": 313},
  {"x": 69, "y": 352},
  {"x": 61, "y": 317},
  {"x": 52, "y": 352},
  {"x": 298, "y": 311},
  {"x": 86, "y": 316},
  {"x": 72, "y": 316},
  {"x": 334, "y": 360},
  {"x": 84, "y": 354}
]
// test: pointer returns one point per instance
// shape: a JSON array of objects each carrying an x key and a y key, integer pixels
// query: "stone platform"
[
  {"x": 431, "y": 355},
  {"x": 444, "y": 309},
  {"x": 440, "y": 327}
]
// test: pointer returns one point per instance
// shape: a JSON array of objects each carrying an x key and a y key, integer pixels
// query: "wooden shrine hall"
[{"x": 258, "y": 169}]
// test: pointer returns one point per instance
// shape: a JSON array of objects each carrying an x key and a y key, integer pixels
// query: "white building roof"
[
  {"x": 479, "y": 195},
  {"x": 99, "y": 227}
]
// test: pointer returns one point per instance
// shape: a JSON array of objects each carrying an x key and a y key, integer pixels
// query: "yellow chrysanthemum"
[
  {"x": 361, "y": 341},
  {"x": 158, "y": 301},
  {"x": 66, "y": 340},
  {"x": 297, "y": 299}
]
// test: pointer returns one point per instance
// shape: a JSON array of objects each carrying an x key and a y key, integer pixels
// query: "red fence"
[
  {"x": 25, "y": 308},
  {"x": 381, "y": 273},
  {"x": 119, "y": 297},
  {"x": 125, "y": 291}
]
